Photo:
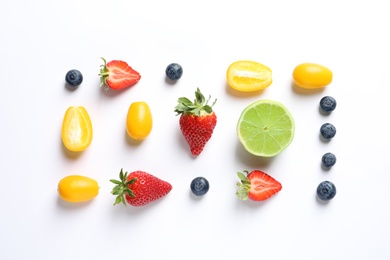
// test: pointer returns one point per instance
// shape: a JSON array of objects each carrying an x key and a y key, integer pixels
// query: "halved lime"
[{"x": 265, "y": 128}]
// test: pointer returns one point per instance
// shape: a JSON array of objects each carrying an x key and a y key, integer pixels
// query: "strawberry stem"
[
  {"x": 199, "y": 107},
  {"x": 104, "y": 72},
  {"x": 122, "y": 187},
  {"x": 243, "y": 186}
]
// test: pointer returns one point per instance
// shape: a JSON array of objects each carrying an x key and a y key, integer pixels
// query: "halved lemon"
[{"x": 247, "y": 76}]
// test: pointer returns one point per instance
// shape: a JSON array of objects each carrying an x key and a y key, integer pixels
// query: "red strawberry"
[
  {"x": 117, "y": 74},
  {"x": 197, "y": 121},
  {"x": 139, "y": 188},
  {"x": 257, "y": 185}
]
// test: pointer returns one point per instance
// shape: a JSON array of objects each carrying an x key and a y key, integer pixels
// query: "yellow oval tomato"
[
  {"x": 77, "y": 188},
  {"x": 76, "y": 129},
  {"x": 248, "y": 76},
  {"x": 312, "y": 76},
  {"x": 139, "y": 120}
]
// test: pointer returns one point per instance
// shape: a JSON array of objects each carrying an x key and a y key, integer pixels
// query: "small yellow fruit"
[
  {"x": 247, "y": 76},
  {"x": 77, "y": 188},
  {"x": 139, "y": 120},
  {"x": 76, "y": 129},
  {"x": 312, "y": 76}
]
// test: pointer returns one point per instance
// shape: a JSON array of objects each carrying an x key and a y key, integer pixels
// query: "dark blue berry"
[
  {"x": 326, "y": 190},
  {"x": 328, "y": 160},
  {"x": 200, "y": 186},
  {"x": 328, "y": 131},
  {"x": 74, "y": 78},
  {"x": 328, "y": 104},
  {"x": 174, "y": 71}
]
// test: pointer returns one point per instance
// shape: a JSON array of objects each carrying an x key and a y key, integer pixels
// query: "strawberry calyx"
[
  {"x": 243, "y": 186},
  {"x": 104, "y": 73},
  {"x": 122, "y": 187},
  {"x": 199, "y": 107}
]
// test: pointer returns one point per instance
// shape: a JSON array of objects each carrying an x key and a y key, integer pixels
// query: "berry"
[
  {"x": 139, "y": 188},
  {"x": 326, "y": 190},
  {"x": 328, "y": 104},
  {"x": 117, "y": 74},
  {"x": 174, "y": 71},
  {"x": 197, "y": 121},
  {"x": 328, "y": 131},
  {"x": 328, "y": 160},
  {"x": 199, "y": 186},
  {"x": 257, "y": 186},
  {"x": 74, "y": 78}
]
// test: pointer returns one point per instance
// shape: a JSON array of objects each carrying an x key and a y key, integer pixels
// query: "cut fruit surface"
[
  {"x": 77, "y": 129},
  {"x": 265, "y": 128},
  {"x": 247, "y": 76}
]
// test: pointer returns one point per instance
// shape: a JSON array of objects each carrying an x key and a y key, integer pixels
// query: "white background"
[{"x": 41, "y": 40}]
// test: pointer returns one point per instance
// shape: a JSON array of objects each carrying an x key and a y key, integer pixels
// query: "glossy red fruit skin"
[
  {"x": 197, "y": 130},
  {"x": 147, "y": 188}
]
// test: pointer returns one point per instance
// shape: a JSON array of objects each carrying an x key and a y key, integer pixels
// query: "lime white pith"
[{"x": 265, "y": 128}]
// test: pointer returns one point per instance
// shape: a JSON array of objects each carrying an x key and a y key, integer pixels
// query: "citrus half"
[{"x": 265, "y": 128}]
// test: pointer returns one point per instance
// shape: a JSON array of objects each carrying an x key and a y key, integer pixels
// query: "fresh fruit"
[
  {"x": 328, "y": 104},
  {"x": 139, "y": 188},
  {"x": 74, "y": 78},
  {"x": 197, "y": 121},
  {"x": 77, "y": 188},
  {"x": 312, "y": 76},
  {"x": 174, "y": 71},
  {"x": 265, "y": 128},
  {"x": 199, "y": 186},
  {"x": 328, "y": 160},
  {"x": 117, "y": 74},
  {"x": 76, "y": 129},
  {"x": 256, "y": 185},
  {"x": 247, "y": 76},
  {"x": 139, "y": 120},
  {"x": 326, "y": 190},
  {"x": 328, "y": 131}
]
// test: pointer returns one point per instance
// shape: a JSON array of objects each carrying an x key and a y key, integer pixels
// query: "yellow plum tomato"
[
  {"x": 139, "y": 120},
  {"x": 77, "y": 188},
  {"x": 312, "y": 76}
]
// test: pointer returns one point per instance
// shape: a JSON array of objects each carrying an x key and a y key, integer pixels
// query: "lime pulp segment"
[{"x": 265, "y": 128}]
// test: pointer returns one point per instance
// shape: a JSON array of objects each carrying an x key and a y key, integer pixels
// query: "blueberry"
[
  {"x": 328, "y": 160},
  {"x": 328, "y": 104},
  {"x": 326, "y": 190},
  {"x": 328, "y": 131},
  {"x": 200, "y": 186},
  {"x": 174, "y": 71},
  {"x": 74, "y": 78}
]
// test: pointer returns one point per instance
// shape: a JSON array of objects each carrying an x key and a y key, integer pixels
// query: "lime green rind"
[{"x": 252, "y": 123}]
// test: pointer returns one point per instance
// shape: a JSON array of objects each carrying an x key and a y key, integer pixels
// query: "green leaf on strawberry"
[
  {"x": 122, "y": 187},
  {"x": 243, "y": 186},
  {"x": 198, "y": 107}
]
